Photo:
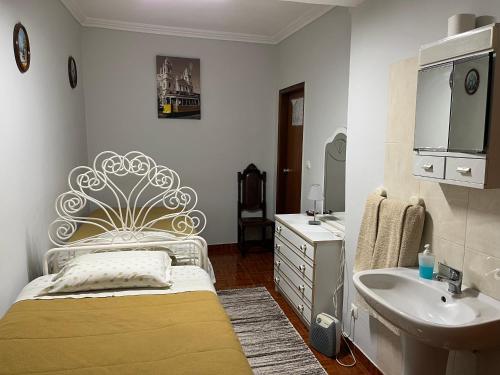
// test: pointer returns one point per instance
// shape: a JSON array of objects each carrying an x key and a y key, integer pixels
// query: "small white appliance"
[{"x": 325, "y": 334}]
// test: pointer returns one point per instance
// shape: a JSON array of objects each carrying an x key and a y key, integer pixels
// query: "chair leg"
[
  {"x": 272, "y": 237},
  {"x": 264, "y": 235},
  {"x": 242, "y": 248}
]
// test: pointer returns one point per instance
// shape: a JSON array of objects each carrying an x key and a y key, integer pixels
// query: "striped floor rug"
[{"x": 270, "y": 342}]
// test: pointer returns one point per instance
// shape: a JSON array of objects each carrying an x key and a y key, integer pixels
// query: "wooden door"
[{"x": 290, "y": 133}]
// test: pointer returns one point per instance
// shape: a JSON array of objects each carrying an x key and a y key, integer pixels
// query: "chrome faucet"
[{"x": 452, "y": 276}]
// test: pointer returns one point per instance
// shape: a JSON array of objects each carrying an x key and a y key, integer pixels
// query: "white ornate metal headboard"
[{"x": 126, "y": 212}]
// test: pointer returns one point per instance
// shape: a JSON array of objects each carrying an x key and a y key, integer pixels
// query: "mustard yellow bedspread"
[{"x": 186, "y": 333}]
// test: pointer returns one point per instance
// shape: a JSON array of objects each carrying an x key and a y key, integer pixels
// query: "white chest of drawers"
[{"x": 307, "y": 261}]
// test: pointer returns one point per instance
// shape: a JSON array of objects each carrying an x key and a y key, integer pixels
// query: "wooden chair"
[{"x": 252, "y": 198}]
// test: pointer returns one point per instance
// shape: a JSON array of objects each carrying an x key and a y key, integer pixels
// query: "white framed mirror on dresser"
[{"x": 333, "y": 213}]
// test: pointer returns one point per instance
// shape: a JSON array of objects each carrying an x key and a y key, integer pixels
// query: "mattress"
[
  {"x": 185, "y": 279},
  {"x": 176, "y": 333}
]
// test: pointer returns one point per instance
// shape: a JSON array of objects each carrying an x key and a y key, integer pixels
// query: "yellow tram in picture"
[{"x": 177, "y": 104}]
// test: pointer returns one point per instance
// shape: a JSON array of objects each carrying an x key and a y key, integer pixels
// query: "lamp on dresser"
[{"x": 315, "y": 194}]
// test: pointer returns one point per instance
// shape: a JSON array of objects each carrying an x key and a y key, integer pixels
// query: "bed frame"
[{"x": 126, "y": 188}]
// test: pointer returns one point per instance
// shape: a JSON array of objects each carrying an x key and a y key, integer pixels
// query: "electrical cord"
[
  {"x": 340, "y": 285},
  {"x": 340, "y": 280},
  {"x": 350, "y": 351}
]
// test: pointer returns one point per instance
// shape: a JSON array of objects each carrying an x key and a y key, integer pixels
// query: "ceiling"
[{"x": 257, "y": 21}]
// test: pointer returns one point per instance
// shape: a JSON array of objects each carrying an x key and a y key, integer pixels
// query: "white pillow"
[{"x": 113, "y": 270}]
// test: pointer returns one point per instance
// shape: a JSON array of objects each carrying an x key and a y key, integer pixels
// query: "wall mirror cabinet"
[{"x": 457, "y": 123}]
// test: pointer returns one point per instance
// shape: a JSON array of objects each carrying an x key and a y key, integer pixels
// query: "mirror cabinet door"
[
  {"x": 469, "y": 107},
  {"x": 433, "y": 108}
]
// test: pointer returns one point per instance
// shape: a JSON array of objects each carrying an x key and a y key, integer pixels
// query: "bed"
[{"x": 123, "y": 204}]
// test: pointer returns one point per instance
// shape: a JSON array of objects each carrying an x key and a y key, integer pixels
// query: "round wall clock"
[
  {"x": 471, "y": 81},
  {"x": 72, "y": 72},
  {"x": 21, "y": 48}
]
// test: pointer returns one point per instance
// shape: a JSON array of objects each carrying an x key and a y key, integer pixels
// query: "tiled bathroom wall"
[{"x": 462, "y": 224}]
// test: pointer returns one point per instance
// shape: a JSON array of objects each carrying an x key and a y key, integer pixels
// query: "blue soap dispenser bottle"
[{"x": 426, "y": 263}]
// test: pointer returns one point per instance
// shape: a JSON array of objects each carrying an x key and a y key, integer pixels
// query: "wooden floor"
[{"x": 256, "y": 269}]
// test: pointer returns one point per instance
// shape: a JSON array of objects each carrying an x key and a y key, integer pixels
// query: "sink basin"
[
  {"x": 432, "y": 320},
  {"x": 426, "y": 310}
]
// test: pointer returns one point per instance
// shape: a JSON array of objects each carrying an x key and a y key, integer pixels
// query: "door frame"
[{"x": 281, "y": 149}]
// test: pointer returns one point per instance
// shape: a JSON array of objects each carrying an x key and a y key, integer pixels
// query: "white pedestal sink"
[{"x": 432, "y": 320}]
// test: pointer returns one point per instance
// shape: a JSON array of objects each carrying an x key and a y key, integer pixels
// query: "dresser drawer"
[
  {"x": 300, "y": 305},
  {"x": 296, "y": 261},
  {"x": 429, "y": 166},
  {"x": 302, "y": 246},
  {"x": 298, "y": 282},
  {"x": 464, "y": 169}
]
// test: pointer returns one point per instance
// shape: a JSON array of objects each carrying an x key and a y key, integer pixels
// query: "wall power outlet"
[{"x": 354, "y": 310}]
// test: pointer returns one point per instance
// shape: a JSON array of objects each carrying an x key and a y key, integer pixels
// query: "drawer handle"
[
  {"x": 277, "y": 263},
  {"x": 277, "y": 247},
  {"x": 301, "y": 288},
  {"x": 277, "y": 280},
  {"x": 463, "y": 170},
  {"x": 427, "y": 167},
  {"x": 303, "y": 248},
  {"x": 278, "y": 229},
  {"x": 300, "y": 308},
  {"x": 302, "y": 268}
]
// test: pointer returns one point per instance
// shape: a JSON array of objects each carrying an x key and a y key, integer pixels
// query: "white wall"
[
  {"x": 383, "y": 32},
  {"x": 42, "y": 126},
  {"x": 237, "y": 123},
  {"x": 319, "y": 56}
]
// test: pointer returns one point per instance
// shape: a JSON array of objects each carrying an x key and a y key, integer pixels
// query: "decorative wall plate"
[
  {"x": 472, "y": 81},
  {"x": 21, "y": 48},
  {"x": 72, "y": 72}
]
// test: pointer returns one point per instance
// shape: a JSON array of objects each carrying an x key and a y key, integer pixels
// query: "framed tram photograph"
[
  {"x": 22, "y": 51},
  {"x": 178, "y": 87}
]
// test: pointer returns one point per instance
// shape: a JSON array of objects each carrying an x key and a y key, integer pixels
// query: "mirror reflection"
[{"x": 334, "y": 181}]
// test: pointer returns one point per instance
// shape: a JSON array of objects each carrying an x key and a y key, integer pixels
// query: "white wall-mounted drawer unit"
[
  {"x": 306, "y": 265},
  {"x": 466, "y": 170},
  {"x": 455, "y": 169},
  {"x": 429, "y": 166},
  {"x": 457, "y": 117}
]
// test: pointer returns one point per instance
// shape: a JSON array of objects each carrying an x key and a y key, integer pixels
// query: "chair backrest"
[{"x": 252, "y": 190}]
